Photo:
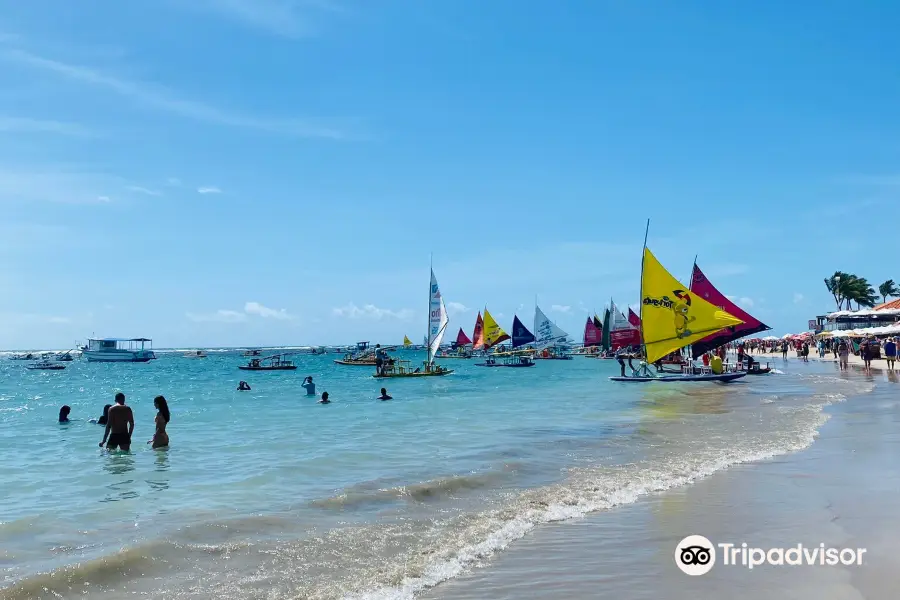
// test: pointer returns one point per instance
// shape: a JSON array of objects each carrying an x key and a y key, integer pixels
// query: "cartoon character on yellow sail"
[{"x": 682, "y": 309}]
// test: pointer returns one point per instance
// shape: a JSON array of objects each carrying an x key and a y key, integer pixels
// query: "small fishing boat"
[
  {"x": 275, "y": 362},
  {"x": 26, "y": 356},
  {"x": 64, "y": 357},
  {"x": 362, "y": 357},
  {"x": 195, "y": 354},
  {"x": 712, "y": 377},
  {"x": 552, "y": 353},
  {"x": 437, "y": 325},
  {"x": 508, "y": 359},
  {"x": 672, "y": 317},
  {"x": 46, "y": 365},
  {"x": 249, "y": 353}
]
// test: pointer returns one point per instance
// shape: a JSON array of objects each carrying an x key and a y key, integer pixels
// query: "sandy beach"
[{"x": 842, "y": 491}]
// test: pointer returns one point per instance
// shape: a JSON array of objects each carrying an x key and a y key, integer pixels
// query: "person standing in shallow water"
[
  {"x": 324, "y": 399},
  {"x": 119, "y": 425},
  {"x": 384, "y": 395},
  {"x": 64, "y": 414},
  {"x": 309, "y": 386},
  {"x": 160, "y": 437}
]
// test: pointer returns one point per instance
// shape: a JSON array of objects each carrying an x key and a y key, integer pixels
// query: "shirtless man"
[{"x": 119, "y": 425}]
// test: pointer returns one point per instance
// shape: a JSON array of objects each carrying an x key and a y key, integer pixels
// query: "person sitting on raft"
[{"x": 243, "y": 387}]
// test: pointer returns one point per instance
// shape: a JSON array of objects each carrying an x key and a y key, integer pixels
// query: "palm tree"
[
  {"x": 859, "y": 290},
  {"x": 837, "y": 286},
  {"x": 888, "y": 289}
]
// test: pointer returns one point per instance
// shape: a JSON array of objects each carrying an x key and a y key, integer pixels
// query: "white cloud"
[
  {"x": 455, "y": 308},
  {"x": 798, "y": 297},
  {"x": 155, "y": 96},
  {"x": 745, "y": 302},
  {"x": 237, "y": 316},
  {"x": 211, "y": 189},
  {"x": 255, "y": 308},
  {"x": 28, "y": 125},
  {"x": 142, "y": 190},
  {"x": 370, "y": 311},
  {"x": 285, "y": 18},
  {"x": 54, "y": 184},
  {"x": 220, "y": 316},
  {"x": 560, "y": 308}
]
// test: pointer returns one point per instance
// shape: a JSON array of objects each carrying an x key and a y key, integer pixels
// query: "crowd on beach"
[{"x": 119, "y": 418}]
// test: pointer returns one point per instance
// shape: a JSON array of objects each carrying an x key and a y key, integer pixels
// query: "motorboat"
[
  {"x": 195, "y": 354},
  {"x": 275, "y": 362},
  {"x": 119, "y": 350},
  {"x": 45, "y": 365}
]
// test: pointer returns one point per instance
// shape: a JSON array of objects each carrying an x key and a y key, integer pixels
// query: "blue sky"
[{"x": 250, "y": 172}]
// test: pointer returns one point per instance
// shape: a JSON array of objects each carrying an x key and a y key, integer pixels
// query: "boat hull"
[
  {"x": 518, "y": 366},
  {"x": 142, "y": 356},
  {"x": 46, "y": 367},
  {"x": 281, "y": 368},
  {"x": 354, "y": 363},
  {"x": 420, "y": 374},
  {"x": 553, "y": 358},
  {"x": 721, "y": 378}
]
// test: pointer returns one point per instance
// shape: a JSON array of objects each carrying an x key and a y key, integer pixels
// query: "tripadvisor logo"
[{"x": 696, "y": 555}]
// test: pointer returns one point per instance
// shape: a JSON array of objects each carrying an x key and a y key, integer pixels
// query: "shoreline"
[{"x": 841, "y": 491}]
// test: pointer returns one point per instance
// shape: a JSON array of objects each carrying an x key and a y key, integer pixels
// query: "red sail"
[
  {"x": 462, "y": 339},
  {"x": 478, "y": 334},
  {"x": 634, "y": 319},
  {"x": 591, "y": 334},
  {"x": 700, "y": 285}
]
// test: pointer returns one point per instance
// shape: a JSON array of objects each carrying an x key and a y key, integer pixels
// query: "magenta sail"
[
  {"x": 591, "y": 334},
  {"x": 462, "y": 339},
  {"x": 634, "y": 319},
  {"x": 702, "y": 286}
]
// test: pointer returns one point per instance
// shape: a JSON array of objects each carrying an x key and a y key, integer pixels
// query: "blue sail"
[{"x": 520, "y": 333}]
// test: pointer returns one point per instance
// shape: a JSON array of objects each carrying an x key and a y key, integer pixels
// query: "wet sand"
[{"x": 843, "y": 491}]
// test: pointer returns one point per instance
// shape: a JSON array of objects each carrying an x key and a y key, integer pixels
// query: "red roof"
[{"x": 893, "y": 304}]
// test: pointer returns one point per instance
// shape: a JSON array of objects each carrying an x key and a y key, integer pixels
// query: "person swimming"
[
  {"x": 160, "y": 437},
  {"x": 324, "y": 399},
  {"x": 64, "y": 413},
  {"x": 384, "y": 395},
  {"x": 243, "y": 387},
  {"x": 309, "y": 386},
  {"x": 103, "y": 419}
]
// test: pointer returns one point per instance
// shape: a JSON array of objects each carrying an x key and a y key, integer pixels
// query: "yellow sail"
[
  {"x": 406, "y": 341},
  {"x": 493, "y": 335},
  {"x": 672, "y": 316}
]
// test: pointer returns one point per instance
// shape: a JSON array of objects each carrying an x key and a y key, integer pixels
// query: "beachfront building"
[{"x": 880, "y": 320}]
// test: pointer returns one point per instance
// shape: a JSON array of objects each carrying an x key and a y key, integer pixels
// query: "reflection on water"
[
  {"x": 118, "y": 464},
  {"x": 161, "y": 465}
]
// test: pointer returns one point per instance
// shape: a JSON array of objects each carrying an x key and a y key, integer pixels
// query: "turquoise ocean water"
[{"x": 267, "y": 494}]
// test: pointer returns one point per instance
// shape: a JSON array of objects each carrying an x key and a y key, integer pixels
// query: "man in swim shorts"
[
  {"x": 890, "y": 353},
  {"x": 119, "y": 425}
]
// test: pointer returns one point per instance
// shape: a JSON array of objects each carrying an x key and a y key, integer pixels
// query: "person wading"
[{"x": 119, "y": 425}]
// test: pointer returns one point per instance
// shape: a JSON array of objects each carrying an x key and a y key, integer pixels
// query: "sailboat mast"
[
  {"x": 641, "y": 292},
  {"x": 428, "y": 313},
  {"x": 690, "y": 347}
]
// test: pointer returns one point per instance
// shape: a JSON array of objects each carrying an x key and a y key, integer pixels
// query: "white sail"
[
  {"x": 546, "y": 332},
  {"x": 437, "y": 319},
  {"x": 618, "y": 321}
]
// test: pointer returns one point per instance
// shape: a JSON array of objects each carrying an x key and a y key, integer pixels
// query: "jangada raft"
[
  {"x": 437, "y": 325},
  {"x": 275, "y": 362},
  {"x": 363, "y": 356},
  {"x": 672, "y": 317}
]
